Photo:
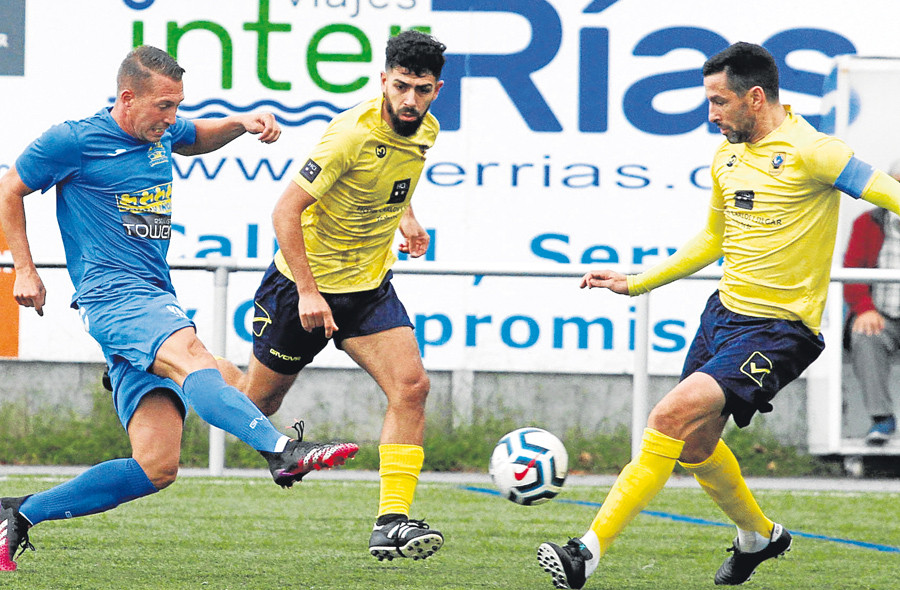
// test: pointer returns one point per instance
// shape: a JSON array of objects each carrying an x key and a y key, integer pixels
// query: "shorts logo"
[
  {"x": 744, "y": 199},
  {"x": 381, "y": 151},
  {"x": 262, "y": 321},
  {"x": 310, "y": 170},
  {"x": 400, "y": 191},
  {"x": 757, "y": 367}
]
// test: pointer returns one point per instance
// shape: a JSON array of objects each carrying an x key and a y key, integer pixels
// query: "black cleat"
[
  {"x": 739, "y": 566},
  {"x": 13, "y": 533},
  {"x": 565, "y": 564},
  {"x": 299, "y": 458},
  {"x": 403, "y": 537}
]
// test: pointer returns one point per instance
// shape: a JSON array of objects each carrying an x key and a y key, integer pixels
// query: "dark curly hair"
[
  {"x": 417, "y": 52},
  {"x": 746, "y": 65}
]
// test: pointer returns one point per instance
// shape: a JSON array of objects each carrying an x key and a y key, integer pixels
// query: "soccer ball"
[{"x": 529, "y": 466}]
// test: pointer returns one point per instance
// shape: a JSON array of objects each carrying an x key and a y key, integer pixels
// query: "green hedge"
[{"x": 67, "y": 438}]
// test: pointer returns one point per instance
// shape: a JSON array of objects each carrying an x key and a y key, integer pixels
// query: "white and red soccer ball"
[{"x": 529, "y": 466}]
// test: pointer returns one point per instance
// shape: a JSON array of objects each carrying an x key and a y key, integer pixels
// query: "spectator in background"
[{"x": 872, "y": 330}]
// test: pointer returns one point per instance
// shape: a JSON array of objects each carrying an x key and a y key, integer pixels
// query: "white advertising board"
[{"x": 574, "y": 135}]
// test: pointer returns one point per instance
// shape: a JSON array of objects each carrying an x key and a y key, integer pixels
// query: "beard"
[{"x": 401, "y": 127}]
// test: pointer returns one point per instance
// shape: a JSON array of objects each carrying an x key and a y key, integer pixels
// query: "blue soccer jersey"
[{"x": 113, "y": 198}]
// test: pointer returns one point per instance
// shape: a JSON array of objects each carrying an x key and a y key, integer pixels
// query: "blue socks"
[
  {"x": 227, "y": 408},
  {"x": 100, "y": 488}
]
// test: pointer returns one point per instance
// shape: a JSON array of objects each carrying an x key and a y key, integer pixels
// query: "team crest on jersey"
[
  {"x": 757, "y": 367},
  {"x": 157, "y": 154},
  {"x": 381, "y": 150},
  {"x": 777, "y": 163},
  {"x": 310, "y": 170},
  {"x": 400, "y": 191}
]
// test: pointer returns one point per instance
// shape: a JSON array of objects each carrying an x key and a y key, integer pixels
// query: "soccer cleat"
[
  {"x": 881, "y": 431},
  {"x": 565, "y": 564},
  {"x": 403, "y": 537},
  {"x": 739, "y": 566},
  {"x": 299, "y": 458},
  {"x": 13, "y": 533}
]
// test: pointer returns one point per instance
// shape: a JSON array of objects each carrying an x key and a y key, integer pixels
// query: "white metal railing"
[{"x": 222, "y": 270}]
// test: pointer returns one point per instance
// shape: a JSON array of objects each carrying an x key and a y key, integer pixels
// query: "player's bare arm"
[
  {"x": 215, "y": 133},
  {"x": 313, "y": 310},
  {"x": 605, "y": 279},
  {"x": 417, "y": 239},
  {"x": 28, "y": 289}
]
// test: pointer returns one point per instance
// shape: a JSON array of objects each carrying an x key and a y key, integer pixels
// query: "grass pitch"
[{"x": 245, "y": 534}]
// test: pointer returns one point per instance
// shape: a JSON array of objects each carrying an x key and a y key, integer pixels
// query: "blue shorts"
[
  {"x": 130, "y": 324},
  {"x": 279, "y": 340},
  {"x": 751, "y": 358}
]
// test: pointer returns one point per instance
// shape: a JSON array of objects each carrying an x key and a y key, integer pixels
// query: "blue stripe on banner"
[
  {"x": 704, "y": 522},
  {"x": 854, "y": 177}
]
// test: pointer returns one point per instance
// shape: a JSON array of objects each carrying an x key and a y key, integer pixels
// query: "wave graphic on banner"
[{"x": 217, "y": 108}]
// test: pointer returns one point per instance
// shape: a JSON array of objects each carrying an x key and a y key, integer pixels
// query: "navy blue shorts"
[
  {"x": 750, "y": 358},
  {"x": 279, "y": 340}
]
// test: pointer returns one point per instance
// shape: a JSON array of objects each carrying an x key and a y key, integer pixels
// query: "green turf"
[{"x": 244, "y": 534}]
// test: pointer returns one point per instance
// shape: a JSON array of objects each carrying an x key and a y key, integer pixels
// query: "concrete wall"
[{"x": 348, "y": 401}]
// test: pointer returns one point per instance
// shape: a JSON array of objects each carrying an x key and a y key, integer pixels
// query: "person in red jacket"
[{"x": 872, "y": 330}]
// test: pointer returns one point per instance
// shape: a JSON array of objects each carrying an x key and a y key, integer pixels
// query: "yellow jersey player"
[
  {"x": 331, "y": 278},
  {"x": 773, "y": 216}
]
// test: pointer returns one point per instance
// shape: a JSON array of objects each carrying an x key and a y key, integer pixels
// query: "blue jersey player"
[{"x": 113, "y": 177}]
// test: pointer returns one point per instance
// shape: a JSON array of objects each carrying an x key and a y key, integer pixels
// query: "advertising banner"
[{"x": 574, "y": 135}]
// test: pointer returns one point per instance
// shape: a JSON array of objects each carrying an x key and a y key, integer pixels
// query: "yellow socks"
[
  {"x": 399, "y": 472},
  {"x": 638, "y": 483},
  {"x": 720, "y": 476}
]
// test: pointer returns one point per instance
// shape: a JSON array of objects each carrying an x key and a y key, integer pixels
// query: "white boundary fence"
[{"x": 824, "y": 419}]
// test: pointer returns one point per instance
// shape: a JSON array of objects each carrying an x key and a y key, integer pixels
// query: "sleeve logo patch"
[
  {"x": 400, "y": 191},
  {"x": 744, "y": 199},
  {"x": 310, "y": 170}
]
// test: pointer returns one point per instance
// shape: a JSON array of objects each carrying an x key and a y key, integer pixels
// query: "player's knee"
[
  {"x": 412, "y": 393},
  {"x": 161, "y": 473}
]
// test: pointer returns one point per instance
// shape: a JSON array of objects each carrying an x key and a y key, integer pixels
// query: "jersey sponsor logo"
[
  {"x": 743, "y": 199},
  {"x": 310, "y": 170},
  {"x": 777, "y": 163},
  {"x": 381, "y": 150},
  {"x": 757, "y": 367},
  {"x": 147, "y": 213},
  {"x": 400, "y": 191},
  {"x": 157, "y": 154},
  {"x": 260, "y": 322}
]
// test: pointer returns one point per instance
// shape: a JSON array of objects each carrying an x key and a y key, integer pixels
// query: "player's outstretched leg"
[
  {"x": 299, "y": 458},
  {"x": 396, "y": 535},
  {"x": 739, "y": 566},
  {"x": 565, "y": 564},
  {"x": 13, "y": 533}
]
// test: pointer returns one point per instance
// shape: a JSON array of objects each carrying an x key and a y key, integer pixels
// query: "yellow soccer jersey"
[
  {"x": 362, "y": 176},
  {"x": 781, "y": 214}
]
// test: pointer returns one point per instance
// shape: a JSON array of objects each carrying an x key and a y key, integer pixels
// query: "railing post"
[
  {"x": 640, "y": 377},
  {"x": 220, "y": 315}
]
